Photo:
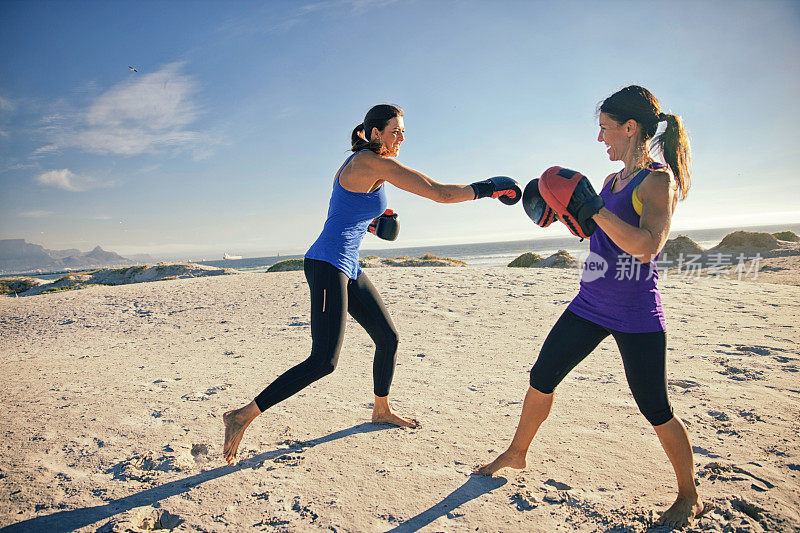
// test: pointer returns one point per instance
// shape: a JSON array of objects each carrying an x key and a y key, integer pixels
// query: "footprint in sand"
[
  {"x": 683, "y": 383},
  {"x": 553, "y": 496},
  {"x": 192, "y": 456},
  {"x": 708, "y": 453},
  {"x": 750, "y": 415},
  {"x": 758, "y": 350},
  {"x": 719, "y": 416},
  {"x": 142, "y": 467},
  {"x": 143, "y": 519},
  {"x": 289, "y": 459},
  {"x": 738, "y": 514},
  {"x": 271, "y": 522},
  {"x": 298, "y": 445},
  {"x": 205, "y": 395},
  {"x": 557, "y": 484},
  {"x": 303, "y": 510},
  {"x": 717, "y": 471},
  {"x": 525, "y": 501},
  {"x": 738, "y": 374}
]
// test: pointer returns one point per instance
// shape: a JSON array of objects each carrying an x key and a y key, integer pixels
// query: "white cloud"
[
  {"x": 6, "y": 105},
  {"x": 36, "y": 213},
  {"x": 45, "y": 150},
  {"x": 67, "y": 180},
  {"x": 149, "y": 113}
]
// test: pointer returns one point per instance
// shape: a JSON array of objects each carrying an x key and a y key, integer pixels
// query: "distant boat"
[{"x": 231, "y": 257}]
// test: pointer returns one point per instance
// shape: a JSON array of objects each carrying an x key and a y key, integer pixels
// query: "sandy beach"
[{"x": 114, "y": 397}]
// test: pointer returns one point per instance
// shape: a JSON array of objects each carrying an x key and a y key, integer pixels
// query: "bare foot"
[
  {"x": 236, "y": 422},
  {"x": 391, "y": 418},
  {"x": 683, "y": 512},
  {"x": 506, "y": 459}
]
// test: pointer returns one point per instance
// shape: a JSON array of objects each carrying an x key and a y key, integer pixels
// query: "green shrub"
[
  {"x": 786, "y": 236},
  {"x": 527, "y": 259},
  {"x": 287, "y": 265}
]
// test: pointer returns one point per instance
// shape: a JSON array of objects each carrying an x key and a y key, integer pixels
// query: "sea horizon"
[{"x": 499, "y": 253}]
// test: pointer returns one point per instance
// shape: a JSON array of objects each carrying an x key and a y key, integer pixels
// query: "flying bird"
[{"x": 133, "y": 69}]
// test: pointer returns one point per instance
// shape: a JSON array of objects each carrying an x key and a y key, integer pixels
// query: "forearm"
[
  {"x": 450, "y": 194},
  {"x": 639, "y": 242}
]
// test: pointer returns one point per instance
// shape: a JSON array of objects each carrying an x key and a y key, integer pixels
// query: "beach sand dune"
[{"x": 113, "y": 403}]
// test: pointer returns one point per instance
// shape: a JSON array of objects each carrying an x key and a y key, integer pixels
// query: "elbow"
[
  {"x": 648, "y": 254},
  {"x": 440, "y": 195}
]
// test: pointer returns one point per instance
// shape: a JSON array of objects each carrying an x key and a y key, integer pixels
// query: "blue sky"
[{"x": 228, "y": 136}]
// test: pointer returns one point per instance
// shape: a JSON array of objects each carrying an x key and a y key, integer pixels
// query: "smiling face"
[
  {"x": 620, "y": 139},
  {"x": 392, "y": 136},
  {"x": 617, "y": 137}
]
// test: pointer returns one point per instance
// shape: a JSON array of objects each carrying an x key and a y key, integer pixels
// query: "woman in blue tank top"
[
  {"x": 338, "y": 286},
  {"x": 625, "y": 302}
]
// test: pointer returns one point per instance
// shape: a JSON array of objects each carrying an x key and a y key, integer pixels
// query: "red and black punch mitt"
[{"x": 572, "y": 197}]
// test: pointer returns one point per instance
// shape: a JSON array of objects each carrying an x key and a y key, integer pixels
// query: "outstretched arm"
[
  {"x": 658, "y": 198},
  {"x": 416, "y": 182}
]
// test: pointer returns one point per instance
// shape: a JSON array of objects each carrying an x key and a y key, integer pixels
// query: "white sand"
[{"x": 113, "y": 399}]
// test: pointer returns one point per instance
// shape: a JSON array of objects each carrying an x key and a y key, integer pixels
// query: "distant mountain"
[
  {"x": 143, "y": 259},
  {"x": 16, "y": 255}
]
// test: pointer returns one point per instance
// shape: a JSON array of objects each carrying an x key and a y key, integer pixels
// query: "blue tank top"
[
  {"x": 625, "y": 297},
  {"x": 349, "y": 215}
]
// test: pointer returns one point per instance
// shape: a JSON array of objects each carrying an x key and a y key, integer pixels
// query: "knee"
[
  {"x": 656, "y": 414},
  {"x": 389, "y": 340},
  {"x": 541, "y": 382},
  {"x": 392, "y": 339},
  {"x": 321, "y": 367}
]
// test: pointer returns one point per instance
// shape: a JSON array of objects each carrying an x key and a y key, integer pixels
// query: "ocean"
[{"x": 499, "y": 253}]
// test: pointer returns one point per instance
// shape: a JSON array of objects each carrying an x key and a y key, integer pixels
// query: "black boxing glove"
[
  {"x": 385, "y": 226},
  {"x": 501, "y": 187},
  {"x": 535, "y": 206}
]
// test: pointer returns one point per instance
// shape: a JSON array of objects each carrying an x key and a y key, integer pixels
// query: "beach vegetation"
[
  {"x": 748, "y": 241},
  {"x": 18, "y": 284},
  {"x": 426, "y": 260},
  {"x": 786, "y": 236},
  {"x": 63, "y": 288},
  {"x": 681, "y": 246},
  {"x": 560, "y": 259},
  {"x": 528, "y": 259},
  {"x": 286, "y": 265}
]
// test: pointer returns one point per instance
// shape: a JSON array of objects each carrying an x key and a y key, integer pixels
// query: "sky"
[{"x": 227, "y": 137}]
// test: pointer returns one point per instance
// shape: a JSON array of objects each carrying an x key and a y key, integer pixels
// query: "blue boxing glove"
[
  {"x": 501, "y": 187},
  {"x": 385, "y": 226}
]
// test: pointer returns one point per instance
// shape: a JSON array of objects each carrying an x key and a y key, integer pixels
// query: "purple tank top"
[{"x": 618, "y": 291}]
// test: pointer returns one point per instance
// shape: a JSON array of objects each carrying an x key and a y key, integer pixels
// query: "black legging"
[
  {"x": 643, "y": 356},
  {"x": 333, "y": 295}
]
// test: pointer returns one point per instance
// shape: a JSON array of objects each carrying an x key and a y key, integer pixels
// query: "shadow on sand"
[
  {"x": 475, "y": 487},
  {"x": 77, "y": 518}
]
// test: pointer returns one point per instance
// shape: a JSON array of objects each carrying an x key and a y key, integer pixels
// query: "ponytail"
[
  {"x": 359, "y": 141},
  {"x": 673, "y": 144},
  {"x": 377, "y": 117}
]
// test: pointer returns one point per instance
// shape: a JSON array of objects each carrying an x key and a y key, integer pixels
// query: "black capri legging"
[
  {"x": 644, "y": 357},
  {"x": 333, "y": 296}
]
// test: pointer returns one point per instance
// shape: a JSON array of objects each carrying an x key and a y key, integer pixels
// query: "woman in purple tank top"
[
  {"x": 337, "y": 285},
  {"x": 624, "y": 301}
]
